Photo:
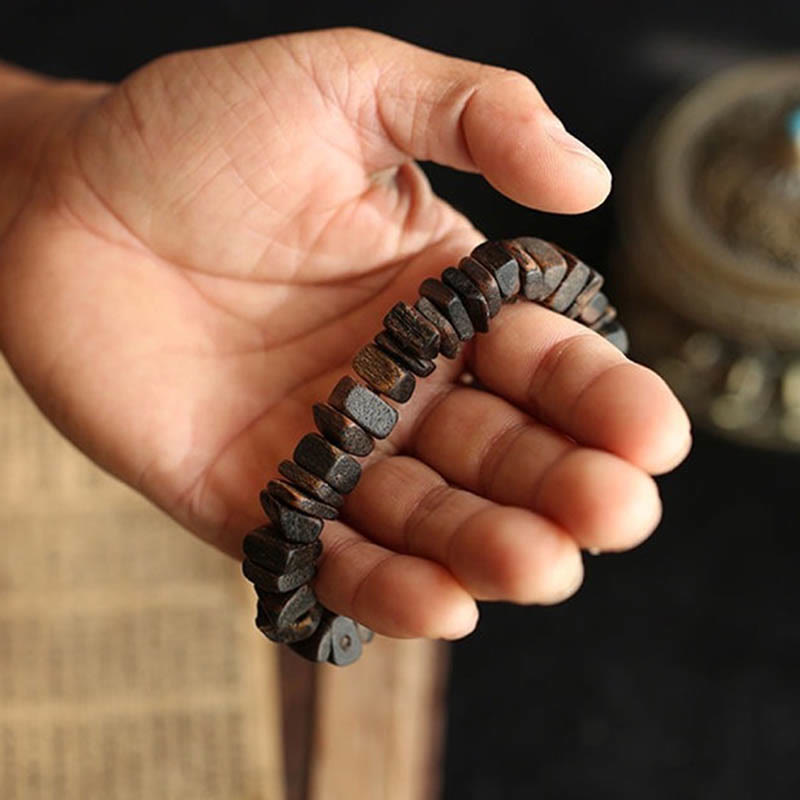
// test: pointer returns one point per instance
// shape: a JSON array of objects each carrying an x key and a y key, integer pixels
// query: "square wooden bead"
[
  {"x": 342, "y": 431},
  {"x": 485, "y": 281},
  {"x": 470, "y": 295},
  {"x": 295, "y": 526},
  {"x": 449, "y": 342},
  {"x": 593, "y": 310},
  {"x": 531, "y": 277},
  {"x": 364, "y": 407},
  {"x": 346, "y": 645},
  {"x": 421, "y": 367},
  {"x": 293, "y": 497},
  {"x": 334, "y": 466},
  {"x": 574, "y": 281},
  {"x": 295, "y": 632},
  {"x": 384, "y": 374},
  {"x": 277, "y": 581},
  {"x": 310, "y": 484},
  {"x": 284, "y": 608},
  {"x": 412, "y": 330},
  {"x": 317, "y": 647},
  {"x": 266, "y": 547},
  {"x": 592, "y": 287},
  {"x": 446, "y": 299},
  {"x": 502, "y": 265},
  {"x": 549, "y": 258}
]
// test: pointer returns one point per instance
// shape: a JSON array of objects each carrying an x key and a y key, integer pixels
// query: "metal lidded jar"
[{"x": 710, "y": 235}]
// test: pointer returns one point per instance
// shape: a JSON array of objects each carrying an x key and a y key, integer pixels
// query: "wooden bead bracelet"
[{"x": 280, "y": 556}]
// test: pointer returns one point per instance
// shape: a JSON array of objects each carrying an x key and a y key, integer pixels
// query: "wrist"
[{"x": 33, "y": 110}]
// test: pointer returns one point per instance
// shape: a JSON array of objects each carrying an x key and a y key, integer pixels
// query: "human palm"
[{"x": 208, "y": 243}]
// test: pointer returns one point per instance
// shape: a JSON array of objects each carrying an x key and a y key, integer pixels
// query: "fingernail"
[{"x": 565, "y": 140}]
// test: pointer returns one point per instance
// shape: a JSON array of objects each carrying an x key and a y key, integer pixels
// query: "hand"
[{"x": 205, "y": 246}]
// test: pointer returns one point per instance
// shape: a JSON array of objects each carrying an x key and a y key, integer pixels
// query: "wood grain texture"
[
  {"x": 391, "y": 703},
  {"x": 412, "y": 330},
  {"x": 383, "y": 374},
  {"x": 449, "y": 342},
  {"x": 470, "y": 295},
  {"x": 485, "y": 281},
  {"x": 446, "y": 299},
  {"x": 309, "y": 483},
  {"x": 421, "y": 367},
  {"x": 549, "y": 258},
  {"x": 502, "y": 265}
]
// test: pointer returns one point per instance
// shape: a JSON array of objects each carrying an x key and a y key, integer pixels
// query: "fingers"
[
  {"x": 495, "y": 552},
  {"x": 410, "y": 102},
  {"x": 395, "y": 595},
  {"x": 580, "y": 384},
  {"x": 488, "y": 446}
]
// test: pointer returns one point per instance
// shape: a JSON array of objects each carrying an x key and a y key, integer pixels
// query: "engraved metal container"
[{"x": 710, "y": 237}]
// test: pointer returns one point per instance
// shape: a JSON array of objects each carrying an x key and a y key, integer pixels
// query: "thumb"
[{"x": 411, "y": 102}]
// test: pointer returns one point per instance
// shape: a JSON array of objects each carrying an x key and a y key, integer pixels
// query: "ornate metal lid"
[{"x": 710, "y": 221}]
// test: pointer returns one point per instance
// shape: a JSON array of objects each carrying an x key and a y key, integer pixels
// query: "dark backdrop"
[{"x": 674, "y": 672}]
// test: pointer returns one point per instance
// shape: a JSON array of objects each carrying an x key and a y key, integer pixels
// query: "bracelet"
[{"x": 280, "y": 555}]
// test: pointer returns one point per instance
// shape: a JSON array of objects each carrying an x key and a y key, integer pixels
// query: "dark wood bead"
[
  {"x": 363, "y": 406},
  {"x": 609, "y": 315},
  {"x": 450, "y": 304},
  {"x": 449, "y": 343},
  {"x": 294, "y": 633},
  {"x": 592, "y": 287},
  {"x": 531, "y": 277},
  {"x": 389, "y": 345},
  {"x": 334, "y": 466},
  {"x": 310, "y": 484},
  {"x": 365, "y": 633},
  {"x": 502, "y": 265},
  {"x": 412, "y": 330},
  {"x": 316, "y": 647},
  {"x": 295, "y": 526},
  {"x": 292, "y": 496},
  {"x": 594, "y": 309},
  {"x": 383, "y": 373},
  {"x": 277, "y": 581},
  {"x": 549, "y": 258},
  {"x": 485, "y": 281},
  {"x": 266, "y": 547},
  {"x": 345, "y": 641},
  {"x": 471, "y": 296},
  {"x": 286, "y": 607},
  {"x": 615, "y": 334},
  {"x": 571, "y": 286},
  {"x": 342, "y": 431}
]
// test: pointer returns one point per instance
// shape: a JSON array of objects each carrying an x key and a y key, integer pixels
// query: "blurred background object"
[{"x": 710, "y": 233}]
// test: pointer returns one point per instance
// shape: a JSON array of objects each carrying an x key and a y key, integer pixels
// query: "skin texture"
[{"x": 194, "y": 256}]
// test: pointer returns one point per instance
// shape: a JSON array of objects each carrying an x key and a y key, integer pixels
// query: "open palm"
[{"x": 208, "y": 243}]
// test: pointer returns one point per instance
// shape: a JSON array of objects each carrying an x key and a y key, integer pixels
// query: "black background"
[{"x": 674, "y": 672}]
